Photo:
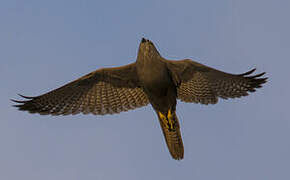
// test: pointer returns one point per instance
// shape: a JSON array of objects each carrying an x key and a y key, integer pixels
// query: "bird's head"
[{"x": 147, "y": 48}]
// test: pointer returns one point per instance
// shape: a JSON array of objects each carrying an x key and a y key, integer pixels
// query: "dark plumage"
[{"x": 151, "y": 79}]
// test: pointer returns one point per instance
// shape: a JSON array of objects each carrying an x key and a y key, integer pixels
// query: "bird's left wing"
[
  {"x": 104, "y": 91},
  {"x": 202, "y": 84}
]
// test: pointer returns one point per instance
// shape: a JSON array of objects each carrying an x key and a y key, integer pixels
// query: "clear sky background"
[{"x": 45, "y": 44}]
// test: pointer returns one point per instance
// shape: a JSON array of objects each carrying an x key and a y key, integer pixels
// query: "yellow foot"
[
  {"x": 170, "y": 119},
  {"x": 164, "y": 119},
  {"x": 167, "y": 120}
]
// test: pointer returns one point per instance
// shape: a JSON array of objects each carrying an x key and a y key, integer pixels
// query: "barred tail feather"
[{"x": 172, "y": 135}]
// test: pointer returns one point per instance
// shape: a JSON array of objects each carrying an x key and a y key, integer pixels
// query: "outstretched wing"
[
  {"x": 104, "y": 91},
  {"x": 201, "y": 84}
]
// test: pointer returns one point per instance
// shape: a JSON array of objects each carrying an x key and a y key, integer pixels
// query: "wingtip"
[
  {"x": 26, "y": 97},
  {"x": 16, "y": 101},
  {"x": 248, "y": 72}
]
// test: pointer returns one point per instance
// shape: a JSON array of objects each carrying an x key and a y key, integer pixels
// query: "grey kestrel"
[{"x": 150, "y": 80}]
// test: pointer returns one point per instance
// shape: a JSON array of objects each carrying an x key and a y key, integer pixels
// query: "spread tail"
[{"x": 171, "y": 131}]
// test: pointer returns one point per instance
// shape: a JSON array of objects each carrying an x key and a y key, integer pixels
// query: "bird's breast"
[{"x": 153, "y": 73}]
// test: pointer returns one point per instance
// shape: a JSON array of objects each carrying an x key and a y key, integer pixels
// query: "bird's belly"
[
  {"x": 161, "y": 98},
  {"x": 161, "y": 93},
  {"x": 157, "y": 84}
]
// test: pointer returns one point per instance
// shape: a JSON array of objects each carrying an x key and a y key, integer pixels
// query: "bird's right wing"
[
  {"x": 104, "y": 91},
  {"x": 202, "y": 84}
]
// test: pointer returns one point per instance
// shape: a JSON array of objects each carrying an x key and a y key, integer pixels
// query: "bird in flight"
[{"x": 153, "y": 80}]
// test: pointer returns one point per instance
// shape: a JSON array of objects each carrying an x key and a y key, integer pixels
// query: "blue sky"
[{"x": 45, "y": 44}]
